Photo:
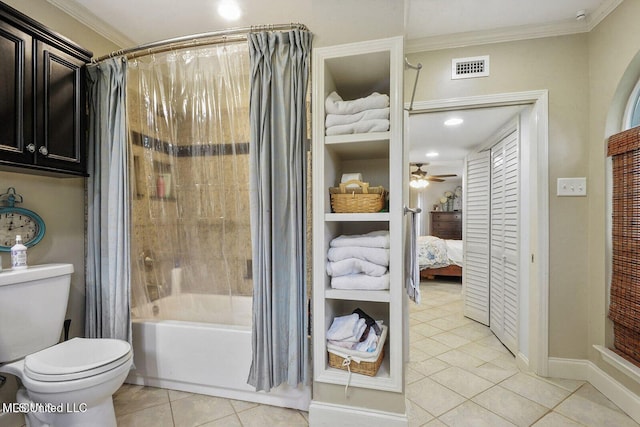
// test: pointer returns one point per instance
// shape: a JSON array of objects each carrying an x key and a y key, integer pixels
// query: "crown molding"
[
  {"x": 509, "y": 34},
  {"x": 83, "y": 15}
]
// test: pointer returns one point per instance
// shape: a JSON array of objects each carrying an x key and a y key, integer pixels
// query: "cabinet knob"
[
  {"x": 31, "y": 148},
  {"x": 43, "y": 150}
]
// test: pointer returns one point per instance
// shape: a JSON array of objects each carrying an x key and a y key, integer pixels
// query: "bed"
[{"x": 439, "y": 257}]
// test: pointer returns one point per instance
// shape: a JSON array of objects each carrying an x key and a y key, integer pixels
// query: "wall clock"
[{"x": 14, "y": 221}]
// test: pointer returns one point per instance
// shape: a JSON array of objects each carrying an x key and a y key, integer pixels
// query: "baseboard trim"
[
  {"x": 580, "y": 369},
  {"x": 522, "y": 362},
  {"x": 330, "y": 415}
]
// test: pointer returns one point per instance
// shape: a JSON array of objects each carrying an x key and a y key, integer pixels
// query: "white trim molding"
[
  {"x": 620, "y": 363},
  {"x": 330, "y": 415},
  {"x": 580, "y": 369}
]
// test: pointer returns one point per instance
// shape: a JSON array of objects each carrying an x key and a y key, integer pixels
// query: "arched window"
[{"x": 632, "y": 112}]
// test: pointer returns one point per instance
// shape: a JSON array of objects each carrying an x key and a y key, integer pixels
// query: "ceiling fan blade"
[
  {"x": 444, "y": 176},
  {"x": 433, "y": 179}
]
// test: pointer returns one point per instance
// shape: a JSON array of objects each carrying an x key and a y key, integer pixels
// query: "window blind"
[{"x": 624, "y": 308}]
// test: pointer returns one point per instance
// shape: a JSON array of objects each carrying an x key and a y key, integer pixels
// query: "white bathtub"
[{"x": 206, "y": 358}]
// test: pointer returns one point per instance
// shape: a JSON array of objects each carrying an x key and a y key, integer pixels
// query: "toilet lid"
[{"x": 77, "y": 358}]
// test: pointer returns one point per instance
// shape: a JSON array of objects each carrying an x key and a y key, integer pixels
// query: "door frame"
[{"x": 538, "y": 179}]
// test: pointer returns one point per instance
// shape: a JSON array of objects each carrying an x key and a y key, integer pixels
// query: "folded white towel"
[
  {"x": 343, "y": 344},
  {"x": 345, "y": 119},
  {"x": 369, "y": 345},
  {"x": 374, "y": 239},
  {"x": 374, "y": 125},
  {"x": 361, "y": 282},
  {"x": 343, "y": 327},
  {"x": 334, "y": 104},
  {"x": 355, "y": 266},
  {"x": 375, "y": 255}
]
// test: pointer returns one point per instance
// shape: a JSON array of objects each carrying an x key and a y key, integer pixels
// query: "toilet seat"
[{"x": 76, "y": 359}]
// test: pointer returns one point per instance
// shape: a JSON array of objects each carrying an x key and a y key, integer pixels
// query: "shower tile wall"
[{"x": 203, "y": 225}]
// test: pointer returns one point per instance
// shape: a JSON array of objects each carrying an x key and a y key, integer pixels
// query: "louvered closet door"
[
  {"x": 504, "y": 283},
  {"x": 476, "y": 238}
]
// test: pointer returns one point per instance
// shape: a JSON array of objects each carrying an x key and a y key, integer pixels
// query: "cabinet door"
[
  {"x": 60, "y": 110},
  {"x": 16, "y": 96}
]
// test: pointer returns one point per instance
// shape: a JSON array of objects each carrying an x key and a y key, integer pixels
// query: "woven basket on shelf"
[
  {"x": 364, "y": 199},
  {"x": 359, "y": 363}
]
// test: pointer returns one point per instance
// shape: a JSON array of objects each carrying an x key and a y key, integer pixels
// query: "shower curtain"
[
  {"x": 279, "y": 73},
  {"x": 107, "y": 273},
  {"x": 188, "y": 116}
]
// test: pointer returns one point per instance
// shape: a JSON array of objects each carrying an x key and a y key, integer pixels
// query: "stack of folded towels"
[
  {"x": 359, "y": 261},
  {"x": 356, "y": 331},
  {"x": 369, "y": 114}
]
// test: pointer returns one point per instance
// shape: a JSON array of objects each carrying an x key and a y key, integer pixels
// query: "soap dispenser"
[{"x": 18, "y": 254}]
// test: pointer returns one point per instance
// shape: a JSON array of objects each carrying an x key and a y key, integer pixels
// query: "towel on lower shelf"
[
  {"x": 378, "y": 256},
  {"x": 354, "y": 266},
  {"x": 374, "y": 239},
  {"x": 346, "y": 328},
  {"x": 364, "y": 126},
  {"x": 334, "y": 104},
  {"x": 345, "y": 119},
  {"x": 361, "y": 282}
]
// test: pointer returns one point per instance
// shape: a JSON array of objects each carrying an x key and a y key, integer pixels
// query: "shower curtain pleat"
[
  {"x": 107, "y": 271},
  {"x": 277, "y": 156}
]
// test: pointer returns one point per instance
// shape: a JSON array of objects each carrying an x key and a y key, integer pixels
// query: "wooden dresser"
[{"x": 446, "y": 225}]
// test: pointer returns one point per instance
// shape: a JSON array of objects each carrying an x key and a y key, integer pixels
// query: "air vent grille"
[{"x": 467, "y": 68}]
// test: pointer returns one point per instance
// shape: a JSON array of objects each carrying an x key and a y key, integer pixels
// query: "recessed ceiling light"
[
  {"x": 229, "y": 10},
  {"x": 432, "y": 154},
  {"x": 453, "y": 121}
]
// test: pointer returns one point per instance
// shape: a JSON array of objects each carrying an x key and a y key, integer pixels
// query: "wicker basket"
[
  {"x": 364, "y": 199},
  {"x": 359, "y": 362}
]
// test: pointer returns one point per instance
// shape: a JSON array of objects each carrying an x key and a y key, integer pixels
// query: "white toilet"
[{"x": 66, "y": 384}]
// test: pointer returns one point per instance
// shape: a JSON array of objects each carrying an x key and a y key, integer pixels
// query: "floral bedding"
[{"x": 432, "y": 252}]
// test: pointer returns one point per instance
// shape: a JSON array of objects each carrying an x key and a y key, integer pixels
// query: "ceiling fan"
[{"x": 418, "y": 173}]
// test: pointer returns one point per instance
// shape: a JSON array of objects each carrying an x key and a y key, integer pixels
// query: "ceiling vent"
[{"x": 468, "y": 68}]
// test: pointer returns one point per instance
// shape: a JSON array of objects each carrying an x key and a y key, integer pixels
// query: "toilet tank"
[{"x": 33, "y": 304}]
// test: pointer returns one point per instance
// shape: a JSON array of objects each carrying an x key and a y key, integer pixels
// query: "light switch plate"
[{"x": 572, "y": 186}]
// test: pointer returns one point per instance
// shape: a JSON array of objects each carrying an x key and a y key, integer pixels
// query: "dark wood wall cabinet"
[
  {"x": 42, "y": 98},
  {"x": 446, "y": 225}
]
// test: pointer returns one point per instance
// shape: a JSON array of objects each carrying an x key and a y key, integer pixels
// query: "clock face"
[{"x": 14, "y": 221}]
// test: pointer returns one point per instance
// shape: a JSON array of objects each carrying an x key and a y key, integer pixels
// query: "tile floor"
[{"x": 459, "y": 375}]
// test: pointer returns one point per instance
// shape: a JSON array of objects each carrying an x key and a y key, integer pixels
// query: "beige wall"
[
  {"x": 560, "y": 65},
  {"x": 614, "y": 69}
]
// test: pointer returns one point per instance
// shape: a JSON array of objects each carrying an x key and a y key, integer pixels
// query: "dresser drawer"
[{"x": 446, "y": 225}]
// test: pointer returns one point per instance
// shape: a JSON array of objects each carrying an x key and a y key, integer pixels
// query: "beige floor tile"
[
  {"x": 461, "y": 359},
  {"x": 228, "y": 421},
  {"x": 433, "y": 397},
  {"x": 589, "y": 392},
  {"x": 482, "y": 352},
  {"x": 450, "y": 322},
  {"x": 272, "y": 416},
  {"x": 569, "y": 385},
  {"x": 435, "y": 423},
  {"x": 417, "y": 416},
  {"x": 535, "y": 389},
  {"x": 472, "y": 331},
  {"x": 199, "y": 409},
  {"x": 130, "y": 398},
  {"x": 553, "y": 419},
  {"x": 431, "y": 347},
  {"x": 177, "y": 395},
  {"x": 471, "y": 414},
  {"x": 494, "y": 343},
  {"x": 154, "y": 416},
  {"x": 416, "y": 355},
  {"x": 493, "y": 373},
  {"x": 450, "y": 340},
  {"x": 241, "y": 405},
  {"x": 429, "y": 366},
  {"x": 591, "y": 414},
  {"x": 426, "y": 330},
  {"x": 461, "y": 381},
  {"x": 515, "y": 408},
  {"x": 411, "y": 375}
]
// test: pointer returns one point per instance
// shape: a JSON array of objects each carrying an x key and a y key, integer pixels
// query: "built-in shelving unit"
[{"x": 354, "y": 71}]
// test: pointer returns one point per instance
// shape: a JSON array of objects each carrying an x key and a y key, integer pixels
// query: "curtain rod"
[{"x": 232, "y": 34}]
